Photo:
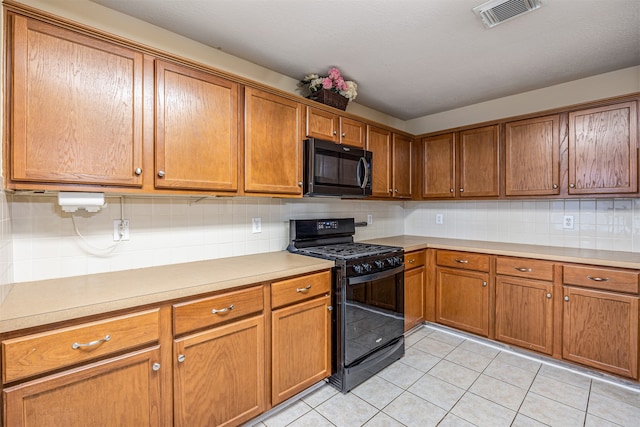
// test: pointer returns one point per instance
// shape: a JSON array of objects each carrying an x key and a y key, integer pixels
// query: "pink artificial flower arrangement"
[{"x": 333, "y": 82}]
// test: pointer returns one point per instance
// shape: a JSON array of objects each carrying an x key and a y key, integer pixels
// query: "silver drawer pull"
[
  {"x": 522, "y": 269},
  {"x": 156, "y": 366},
  {"x": 598, "y": 279},
  {"x": 222, "y": 310},
  {"x": 305, "y": 289},
  {"x": 77, "y": 345},
  {"x": 462, "y": 261},
  {"x": 412, "y": 260}
]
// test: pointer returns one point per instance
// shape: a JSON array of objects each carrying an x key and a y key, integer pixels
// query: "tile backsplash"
[{"x": 42, "y": 242}]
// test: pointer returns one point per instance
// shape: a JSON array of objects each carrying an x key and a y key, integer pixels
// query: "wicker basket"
[{"x": 330, "y": 98}]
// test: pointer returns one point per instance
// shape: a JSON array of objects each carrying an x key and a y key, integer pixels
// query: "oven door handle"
[{"x": 375, "y": 276}]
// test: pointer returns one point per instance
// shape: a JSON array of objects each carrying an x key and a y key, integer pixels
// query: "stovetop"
[{"x": 349, "y": 251}]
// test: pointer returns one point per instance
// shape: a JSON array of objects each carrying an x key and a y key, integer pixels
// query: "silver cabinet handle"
[
  {"x": 299, "y": 183},
  {"x": 451, "y": 190},
  {"x": 566, "y": 298},
  {"x": 555, "y": 186},
  {"x": 462, "y": 261},
  {"x": 160, "y": 174},
  {"x": 411, "y": 261},
  {"x": 181, "y": 358},
  {"x": 330, "y": 308},
  {"x": 222, "y": 310},
  {"x": 484, "y": 283},
  {"x": 344, "y": 134},
  {"x": 77, "y": 345},
  {"x": 138, "y": 171},
  {"x": 572, "y": 186},
  {"x": 335, "y": 132},
  {"x": 548, "y": 295},
  {"x": 462, "y": 190},
  {"x": 598, "y": 279},
  {"x": 156, "y": 366},
  {"x": 522, "y": 269},
  {"x": 303, "y": 290},
  {"x": 391, "y": 190}
]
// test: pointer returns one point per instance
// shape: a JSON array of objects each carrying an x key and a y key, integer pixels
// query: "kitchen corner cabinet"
[
  {"x": 196, "y": 116},
  {"x": 462, "y": 291},
  {"x": 300, "y": 334},
  {"x": 332, "y": 127},
  {"x": 600, "y": 313},
  {"x": 532, "y": 157},
  {"x": 272, "y": 144},
  {"x": 524, "y": 304},
  {"x": 76, "y": 107},
  {"x": 414, "y": 289},
  {"x": 603, "y": 150},
  {"x": 80, "y": 387},
  {"x": 219, "y": 368},
  {"x": 461, "y": 164}
]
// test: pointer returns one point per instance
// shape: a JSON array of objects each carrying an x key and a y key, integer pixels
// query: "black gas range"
[{"x": 368, "y": 297}]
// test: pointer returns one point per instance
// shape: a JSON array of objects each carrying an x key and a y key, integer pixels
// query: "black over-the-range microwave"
[{"x": 332, "y": 169}]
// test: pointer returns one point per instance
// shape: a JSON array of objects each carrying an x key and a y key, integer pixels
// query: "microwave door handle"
[{"x": 364, "y": 181}]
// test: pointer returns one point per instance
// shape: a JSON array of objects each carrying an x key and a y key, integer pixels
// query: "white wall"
[
  {"x": 168, "y": 230},
  {"x": 615, "y": 83}
]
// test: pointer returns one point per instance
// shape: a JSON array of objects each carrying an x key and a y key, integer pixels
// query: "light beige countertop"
[
  {"x": 554, "y": 253},
  {"x": 37, "y": 303}
]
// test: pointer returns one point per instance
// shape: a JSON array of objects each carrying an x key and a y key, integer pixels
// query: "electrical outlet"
[
  {"x": 256, "y": 225},
  {"x": 439, "y": 219},
  {"x": 568, "y": 222},
  {"x": 369, "y": 219},
  {"x": 120, "y": 230}
]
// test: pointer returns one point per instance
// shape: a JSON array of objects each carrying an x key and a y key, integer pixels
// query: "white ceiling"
[{"x": 411, "y": 58}]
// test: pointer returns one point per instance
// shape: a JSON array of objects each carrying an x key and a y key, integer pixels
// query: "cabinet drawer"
[
  {"x": 466, "y": 260},
  {"x": 601, "y": 278},
  {"x": 34, "y": 354},
  {"x": 300, "y": 288},
  {"x": 211, "y": 311},
  {"x": 525, "y": 267},
  {"x": 414, "y": 259}
]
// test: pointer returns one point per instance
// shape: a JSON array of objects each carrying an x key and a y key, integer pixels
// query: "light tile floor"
[{"x": 451, "y": 379}]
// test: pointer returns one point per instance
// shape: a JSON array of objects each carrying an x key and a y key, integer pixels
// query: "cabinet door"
[
  {"x": 438, "y": 166},
  {"x": 413, "y": 297},
  {"x": 322, "y": 125},
  {"x": 379, "y": 143},
  {"x": 532, "y": 165},
  {"x": 603, "y": 150},
  {"x": 273, "y": 144},
  {"x": 301, "y": 346},
  {"x": 462, "y": 300},
  {"x": 479, "y": 162},
  {"x": 76, "y": 108},
  {"x": 196, "y": 129},
  {"x": 219, "y": 375},
  {"x": 524, "y": 313},
  {"x": 402, "y": 166},
  {"x": 352, "y": 132},
  {"x": 122, "y": 391},
  {"x": 600, "y": 329}
]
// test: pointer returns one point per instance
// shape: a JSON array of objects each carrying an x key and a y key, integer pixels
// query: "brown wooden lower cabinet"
[
  {"x": 219, "y": 375},
  {"x": 414, "y": 289},
  {"x": 121, "y": 391},
  {"x": 600, "y": 329},
  {"x": 524, "y": 313},
  {"x": 301, "y": 347},
  {"x": 462, "y": 299}
]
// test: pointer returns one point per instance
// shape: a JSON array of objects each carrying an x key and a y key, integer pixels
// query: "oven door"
[{"x": 374, "y": 312}]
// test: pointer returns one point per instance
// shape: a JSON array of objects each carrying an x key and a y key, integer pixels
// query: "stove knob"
[
  {"x": 391, "y": 261},
  {"x": 379, "y": 264},
  {"x": 366, "y": 266},
  {"x": 357, "y": 268},
  {"x": 398, "y": 260}
]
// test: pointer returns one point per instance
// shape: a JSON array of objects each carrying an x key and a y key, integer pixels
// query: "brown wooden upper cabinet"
[
  {"x": 76, "y": 107},
  {"x": 392, "y": 163},
  {"x": 272, "y": 144},
  {"x": 603, "y": 150},
  {"x": 462, "y": 164},
  {"x": 196, "y": 130},
  {"x": 332, "y": 127},
  {"x": 532, "y": 157}
]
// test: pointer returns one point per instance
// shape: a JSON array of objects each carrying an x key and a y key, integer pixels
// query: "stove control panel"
[{"x": 374, "y": 266}]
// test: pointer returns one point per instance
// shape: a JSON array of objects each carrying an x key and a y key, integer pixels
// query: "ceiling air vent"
[{"x": 496, "y": 12}]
